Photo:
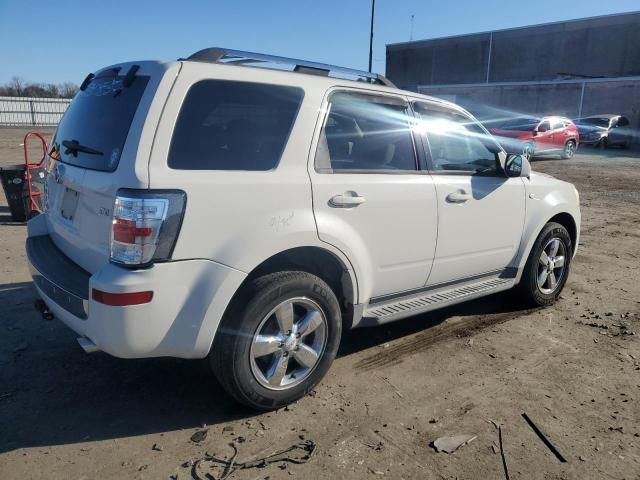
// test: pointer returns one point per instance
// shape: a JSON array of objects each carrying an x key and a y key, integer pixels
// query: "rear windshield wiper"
[{"x": 73, "y": 147}]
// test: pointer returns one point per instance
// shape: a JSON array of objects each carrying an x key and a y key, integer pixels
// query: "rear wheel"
[
  {"x": 278, "y": 340},
  {"x": 603, "y": 144},
  {"x": 569, "y": 149},
  {"x": 547, "y": 267},
  {"x": 528, "y": 150}
]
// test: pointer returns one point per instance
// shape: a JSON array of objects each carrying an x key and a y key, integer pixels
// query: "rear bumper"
[
  {"x": 189, "y": 300},
  {"x": 57, "y": 276}
]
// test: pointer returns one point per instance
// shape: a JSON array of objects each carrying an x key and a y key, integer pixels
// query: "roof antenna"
[
  {"x": 411, "y": 33},
  {"x": 373, "y": 12}
]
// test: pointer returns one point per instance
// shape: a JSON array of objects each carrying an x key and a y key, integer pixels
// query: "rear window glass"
[
  {"x": 93, "y": 131},
  {"x": 227, "y": 125}
]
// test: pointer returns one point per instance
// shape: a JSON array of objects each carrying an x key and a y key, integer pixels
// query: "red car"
[{"x": 534, "y": 137}]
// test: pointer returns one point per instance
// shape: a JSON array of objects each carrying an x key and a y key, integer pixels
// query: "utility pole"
[
  {"x": 373, "y": 11},
  {"x": 411, "y": 33}
]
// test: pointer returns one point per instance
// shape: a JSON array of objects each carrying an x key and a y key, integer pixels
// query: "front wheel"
[
  {"x": 528, "y": 151},
  {"x": 569, "y": 149},
  {"x": 278, "y": 340},
  {"x": 603, "y": 144},
  {"x": 547, "y": 267}
]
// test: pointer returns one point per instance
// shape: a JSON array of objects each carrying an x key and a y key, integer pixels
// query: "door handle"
[
  {"x": 346, "y": 200},
  {"x": 459, "y": 196}
]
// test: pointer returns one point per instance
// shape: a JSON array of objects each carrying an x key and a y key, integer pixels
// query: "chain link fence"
[{"x": 31, "y": 111}]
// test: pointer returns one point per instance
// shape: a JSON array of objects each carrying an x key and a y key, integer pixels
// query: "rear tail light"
[{"x": 145, "y": 225}]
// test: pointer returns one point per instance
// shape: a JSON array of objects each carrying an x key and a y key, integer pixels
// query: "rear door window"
[
  {"x": 94, "y": 129},
  {"x": 366, "y": 133},
  {"x": 229, "y": 125}
]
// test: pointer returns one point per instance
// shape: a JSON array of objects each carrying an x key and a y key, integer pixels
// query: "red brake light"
[
  {"x": 145, "y": 225},
  {"x": 121, "y": 299},
  {"x": 126, "y": 231}
]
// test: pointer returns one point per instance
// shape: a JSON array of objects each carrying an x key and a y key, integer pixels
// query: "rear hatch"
[{"x": 101, "y": 144}]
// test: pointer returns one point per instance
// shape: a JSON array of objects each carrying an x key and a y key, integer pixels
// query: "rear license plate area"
[{"x": 69, "y": 203}]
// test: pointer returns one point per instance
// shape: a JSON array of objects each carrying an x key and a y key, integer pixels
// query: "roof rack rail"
[{"x": 239, "y": 57}]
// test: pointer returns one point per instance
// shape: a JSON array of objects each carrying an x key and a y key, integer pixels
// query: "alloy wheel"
[
  {"x": 569, "y": 149},
  {"x": 527, "y": 151},
  {"x": 551, "y": 266},
  {"x": 288, "y": 343}
]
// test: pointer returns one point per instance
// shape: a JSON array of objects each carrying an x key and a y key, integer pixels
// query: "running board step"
[{"x": 384, "y": 312}]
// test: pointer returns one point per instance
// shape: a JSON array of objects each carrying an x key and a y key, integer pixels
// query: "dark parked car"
[
  {"x": 538, "y": 136},
  {"x": 604, "y": 130}
]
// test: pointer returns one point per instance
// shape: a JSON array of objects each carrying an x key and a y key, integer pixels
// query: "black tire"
[
  {"x": 528, "y": 150},
  {"x": 570, "y": 148},
  {"x": 603, "y": 144},
  {"x": 528, "y": 287},
  {"x": 230, "y": 356}
]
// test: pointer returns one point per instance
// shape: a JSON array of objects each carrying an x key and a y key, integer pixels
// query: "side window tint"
[
  {"x": 457, "y": 142},
  {"x": 557, "y": 124},
  {"x": 226, "y": 125},
  {"x": 623, "y": 122},
  {"x": 544, "y": 126},
  {"x": 366, "y": 132}
]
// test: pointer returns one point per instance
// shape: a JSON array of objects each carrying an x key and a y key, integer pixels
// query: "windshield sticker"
[{"x": 102, "y": 87}]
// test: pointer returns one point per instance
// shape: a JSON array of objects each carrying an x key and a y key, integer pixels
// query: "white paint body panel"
[
  {"x": 546, "y": 197},
  {"x": 390, "y": 238},
  {"x": 482, "y": 234},
  {"x": 405, "y": 235}
]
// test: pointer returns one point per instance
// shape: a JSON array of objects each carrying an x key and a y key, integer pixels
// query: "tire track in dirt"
[{"x": 464, "y": 327}]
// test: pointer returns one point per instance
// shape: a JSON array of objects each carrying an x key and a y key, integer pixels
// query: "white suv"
[{"x": 208, "y": 208}]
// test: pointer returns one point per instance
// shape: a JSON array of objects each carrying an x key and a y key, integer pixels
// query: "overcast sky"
[{"x": 63, "y": 40}]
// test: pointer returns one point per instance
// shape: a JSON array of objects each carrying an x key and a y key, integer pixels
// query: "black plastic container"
[{"x": 12, "y": 177}]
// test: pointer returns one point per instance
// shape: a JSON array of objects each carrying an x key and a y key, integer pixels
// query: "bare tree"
[
  {"x": 17, "y": 85},
  {"x": 68, "y": 89}
]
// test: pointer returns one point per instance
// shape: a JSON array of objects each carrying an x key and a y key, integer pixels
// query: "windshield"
[
  {"x": 93, "y": 131},
  {"x": 598, "y": 122}
]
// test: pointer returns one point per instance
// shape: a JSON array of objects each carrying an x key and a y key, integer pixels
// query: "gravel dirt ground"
[{"x": 573, "y": 368}]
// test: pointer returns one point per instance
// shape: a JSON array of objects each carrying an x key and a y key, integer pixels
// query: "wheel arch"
[
  {"x": 564, "y": 218},
  {"x": 567, "y": 221},
  {"x": 316, "y": 260}
]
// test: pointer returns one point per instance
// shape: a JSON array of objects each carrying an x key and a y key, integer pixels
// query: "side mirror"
[
  {"x": 534, "y": 132},
  {"x": 517, "y": 166}
]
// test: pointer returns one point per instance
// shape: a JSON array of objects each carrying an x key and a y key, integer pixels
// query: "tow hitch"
[{"x": 41, "y": 307}]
